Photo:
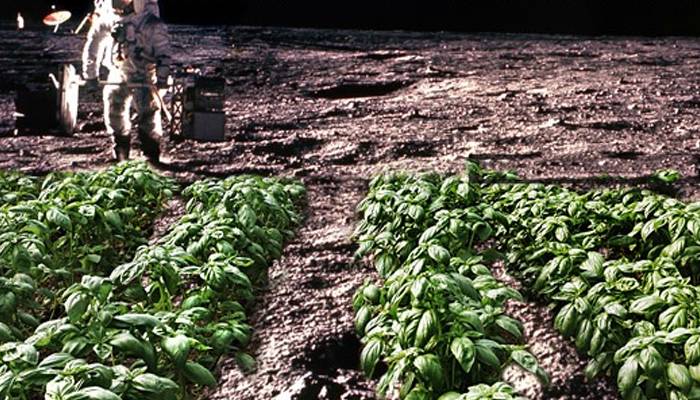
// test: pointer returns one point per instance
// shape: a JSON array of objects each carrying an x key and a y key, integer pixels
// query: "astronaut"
[
  {"x": 140, "y": 70},
  {"x": 98, "y": 47},
  {"x": 20, "y": 22}
]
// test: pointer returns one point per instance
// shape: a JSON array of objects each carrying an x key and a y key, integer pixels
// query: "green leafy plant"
[
  {"x": 64, "y": 226},
  {"x": 437, "y": 322},
  {"x": 497, "y": 391},
  {"x": 80, "y": 322},
  {"x": 620, "y": 266}
]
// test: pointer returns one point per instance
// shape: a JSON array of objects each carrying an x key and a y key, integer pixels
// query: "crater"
[
  {"x": 623, "y": 155},
  {"x": 355, "y": 90},
  {"x": 293, "y": 146},
  {"x": 612, "y": 125},
  {"x": 382, "y": 55}
]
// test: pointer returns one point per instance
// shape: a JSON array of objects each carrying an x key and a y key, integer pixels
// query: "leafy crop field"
[
  {"x": 93, "y": 307},
  {"x": 619, "y": 266},
  {"x": 90, "y": 310}
]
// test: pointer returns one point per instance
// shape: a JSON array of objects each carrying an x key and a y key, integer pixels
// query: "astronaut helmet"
[{"x": 123, "y": 7}]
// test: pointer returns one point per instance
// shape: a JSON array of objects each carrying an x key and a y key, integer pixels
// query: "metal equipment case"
[{"x": 197, "y": 107}]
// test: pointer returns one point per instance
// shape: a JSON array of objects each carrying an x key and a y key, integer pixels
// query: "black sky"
[{"x": 588, "y": 17}]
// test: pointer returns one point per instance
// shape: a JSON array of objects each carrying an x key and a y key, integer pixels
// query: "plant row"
[
  {"x": 56, "y": 229},
  {"x": 155, "y": 327},
  {"x": 621, "y": 268},
  {"x": 15, "y": 187},
  {"x": 436, "y": 326}
]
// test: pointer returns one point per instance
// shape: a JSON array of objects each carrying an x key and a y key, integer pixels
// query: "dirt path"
[{"x": 332, "y": 108}]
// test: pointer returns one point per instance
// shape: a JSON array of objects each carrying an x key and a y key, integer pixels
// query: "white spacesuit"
[
  {"x": 141, "y": 56},
  {"x": 98, "y": 47}
]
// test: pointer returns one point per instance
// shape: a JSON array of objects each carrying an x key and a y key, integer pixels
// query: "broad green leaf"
[
  {"x": 510, "y": 325},
  {"x": 196, "y": 373},
  {"x": 221, "y": 340},
  {"x": 616, "y": 309},
  {"x": 76, "y": 305},
  {"x": 485, "y": 355},
  {"x": 418, "y": 393},
  {"x": 439, "y": 254},
  {"x": 647, "y": 305},
  {"x": 151, "y": 383},
  {"x": 426, "y": 327},
  {"x": 483, "y": 230},
  {"x": 371, "y": 294},
  {"x": 363, "y": 316},
  {"x": 585, "y": 332},
  {"x": 430, "y": 370},
  {"x": 652, "y": 361},
  {"x": 627, "y": 375},
  {"x": 59, "y": 218},
  {"x": 415, "y": 212},
  {"x": 565, "y": 321},
  {"x": 75, "y": 346},
  {"x": 597, "y": 342},
  {"x": 594, "y": 264},
  {"x": 246, "y": 216},
  {"x": 525, "y": 360},
  {"x": 593, "y": 368},
  {"x": 386, "y": 263},
  {"x": 561, "y": 233},
  {"x": 674, "y": 249},
  {"x": 6, "y": 334},
  {"x": 93, "y": 393},
  {"x": 28, "y": 319},
  {"x": 692, "y": 350},
  {"x": 467, "y": 286},
  {"x": 56, "y": 360},
  {"x": 695, "y": 372},
  {"x": 428, "y": 234},
  {"x": 128, "y": 343},
  {"x": 370, "y": 356},
  {"x": 177, "y": 348},
  {"x": 418, "y": 287},
  {"x": 463, "y": 350},
  {"x": 137, "y": 320},
  {"x": 648, "y": 229},
  {"x": 472, "y": 319},
  {"x": 679, "y": 376}
]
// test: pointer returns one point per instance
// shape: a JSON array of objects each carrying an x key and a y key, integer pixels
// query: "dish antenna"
[{"x": 56, "y": 18}]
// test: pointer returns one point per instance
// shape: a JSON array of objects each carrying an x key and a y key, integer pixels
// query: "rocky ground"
[{"x": 332, "y": 108}]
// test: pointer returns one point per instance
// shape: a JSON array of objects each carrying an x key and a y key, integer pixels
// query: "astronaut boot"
[
  {"x": 122, "y": 146},
  {"x": 150, "y": 146}
]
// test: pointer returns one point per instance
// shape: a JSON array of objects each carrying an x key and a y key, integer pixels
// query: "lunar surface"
[{"x": 333, "y": 108}]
